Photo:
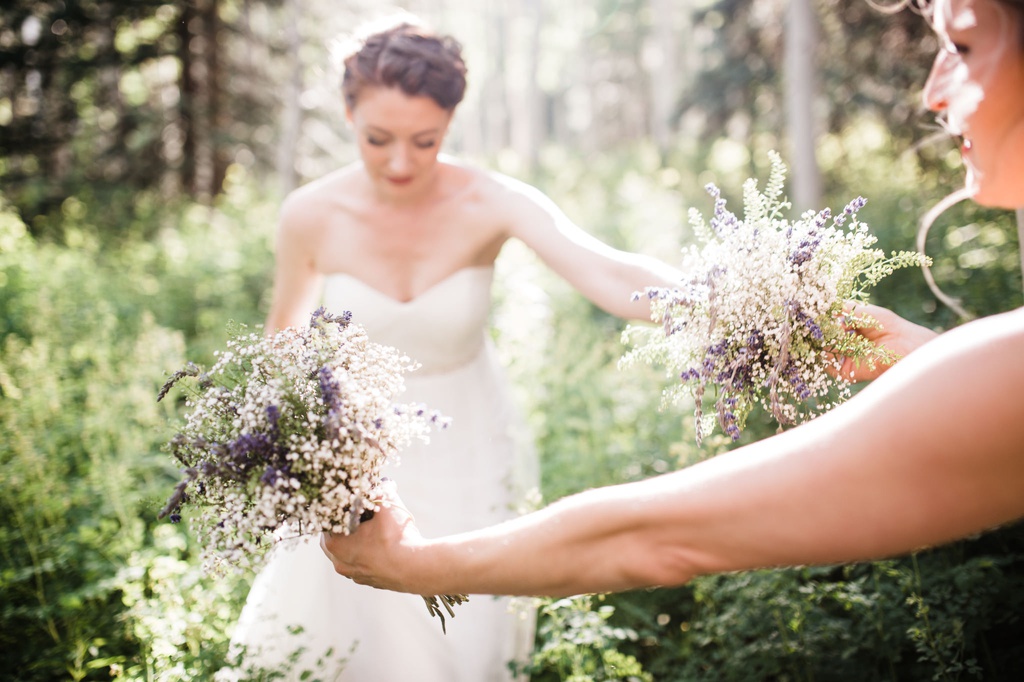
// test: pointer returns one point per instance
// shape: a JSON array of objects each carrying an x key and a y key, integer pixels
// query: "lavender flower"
[
  {"x": 758, "y": 318},
  {"x": 189, "y": 370},
  {"x": 287, "y": 434}
]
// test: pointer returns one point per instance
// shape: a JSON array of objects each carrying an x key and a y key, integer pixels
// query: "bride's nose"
[{"x": 399, "y": 160}]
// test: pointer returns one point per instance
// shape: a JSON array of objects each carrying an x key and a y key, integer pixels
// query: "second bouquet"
[{"x": 762, "y": 317}]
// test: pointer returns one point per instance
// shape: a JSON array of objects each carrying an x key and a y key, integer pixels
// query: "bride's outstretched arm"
[
  {"x": 607, "y": 276},
  {"x": 932, "y": 451}
]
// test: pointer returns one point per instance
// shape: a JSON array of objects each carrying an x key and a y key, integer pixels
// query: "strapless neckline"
[
  {"x": 443, "y": 327},
  {"x": 432, "y": 290}
]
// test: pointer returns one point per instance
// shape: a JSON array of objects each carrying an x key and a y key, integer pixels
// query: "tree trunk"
[
  {"x": 187, "y": 99},
  {"x": 801, "y": 84},
  {"x": 524, "y": 96},
  {"x": 291, "y": 118},
  {"x": 662, "y": 73},
  {"x": 495, "y": 104},
  {"x": 217, "y": 123}
]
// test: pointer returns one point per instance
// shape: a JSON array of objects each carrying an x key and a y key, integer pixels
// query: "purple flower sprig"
[
  {"x": 757, "y": 319},
  {"x": 286, "y": 435}
]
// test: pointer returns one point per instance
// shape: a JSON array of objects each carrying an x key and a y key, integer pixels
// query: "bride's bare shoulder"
[
  {"x": 328, "y": 195},
  {"x": 489, "y": 187},
  {"x": 341, "y": 182}
]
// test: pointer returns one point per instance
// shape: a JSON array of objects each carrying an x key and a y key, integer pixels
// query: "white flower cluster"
[
  {"x": 287, "y": 434},
  {"x": 759, "y": 317}
]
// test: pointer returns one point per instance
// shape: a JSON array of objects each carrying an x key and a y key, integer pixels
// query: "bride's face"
[
  {"x": 399, "y": 137},
  {"x": 977, "y": 82}
]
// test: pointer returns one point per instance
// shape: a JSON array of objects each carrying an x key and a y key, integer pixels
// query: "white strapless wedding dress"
[{"x": 468, "y": 476}]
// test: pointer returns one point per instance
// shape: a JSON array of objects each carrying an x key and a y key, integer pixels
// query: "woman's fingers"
[
  {"x": 359, "y": 554},
  {"x": 887, "y": 330}
]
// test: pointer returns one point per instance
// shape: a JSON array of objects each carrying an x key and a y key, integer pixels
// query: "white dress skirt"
[{"x": 470, "y": 475}]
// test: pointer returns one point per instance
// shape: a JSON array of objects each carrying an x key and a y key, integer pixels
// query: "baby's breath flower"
[
  {"x": 286, "y": 435},
  {"x": 759, "y": 318}
]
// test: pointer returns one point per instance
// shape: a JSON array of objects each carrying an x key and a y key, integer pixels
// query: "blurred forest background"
[{"x": 144, "y": 148}]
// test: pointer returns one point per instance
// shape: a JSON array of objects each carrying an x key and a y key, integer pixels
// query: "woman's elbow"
[{"x": 658, "y": 565}]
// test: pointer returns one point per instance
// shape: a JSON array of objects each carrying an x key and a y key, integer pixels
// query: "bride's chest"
[
  {"x": 404, "y": 255},
  {"x": 407, "y": 241}
]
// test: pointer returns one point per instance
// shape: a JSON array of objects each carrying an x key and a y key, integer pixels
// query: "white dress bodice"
[{"x": 442, "y": 328}]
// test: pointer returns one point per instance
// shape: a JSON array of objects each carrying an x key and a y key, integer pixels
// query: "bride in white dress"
[{"x": 407, "y": 242}]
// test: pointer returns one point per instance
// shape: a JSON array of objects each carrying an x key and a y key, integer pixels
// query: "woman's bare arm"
[
  {"x": 296, "y": 286},
  {"x": 932, "y": 451}
]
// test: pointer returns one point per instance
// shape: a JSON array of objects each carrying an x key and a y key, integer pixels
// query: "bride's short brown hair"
[{"x": 411, "y": 58}]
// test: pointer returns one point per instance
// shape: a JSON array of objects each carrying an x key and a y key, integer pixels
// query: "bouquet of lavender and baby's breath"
[
  {"x": 760, "y": 317},
  {"x": 286, "y": 435}
]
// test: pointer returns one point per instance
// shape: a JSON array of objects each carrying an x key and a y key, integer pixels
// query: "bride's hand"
[
  {"x": 379, "y": 548},
  {"x": 894, "y": 333}
]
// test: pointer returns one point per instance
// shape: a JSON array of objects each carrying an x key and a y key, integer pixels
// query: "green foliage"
[
  {"x": 85, "y": 349},
  {"x": 180, "y": 618},
  {"x": 946, "y": 614},
  {"x": 579, "y": 645},
  {"x": 114, "y": 98},
  {"x": 738, "y": 92},
  {"x": 79, "y": 460},
  {"x": 177, "y": 615}
]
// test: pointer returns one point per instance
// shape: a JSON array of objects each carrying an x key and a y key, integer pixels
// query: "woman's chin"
[{"x": 994, "y": 194}]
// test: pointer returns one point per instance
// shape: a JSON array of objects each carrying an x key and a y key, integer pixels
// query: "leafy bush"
[
  {"x": 179, "y": 617},
  {"x": 579, "y": 645},
  {"x": 79, "y": 461},
  {"x": 89, "y": 333}
]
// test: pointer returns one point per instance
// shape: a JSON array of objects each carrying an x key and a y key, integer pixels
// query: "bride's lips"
[{"x": 404, "y": 180}]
